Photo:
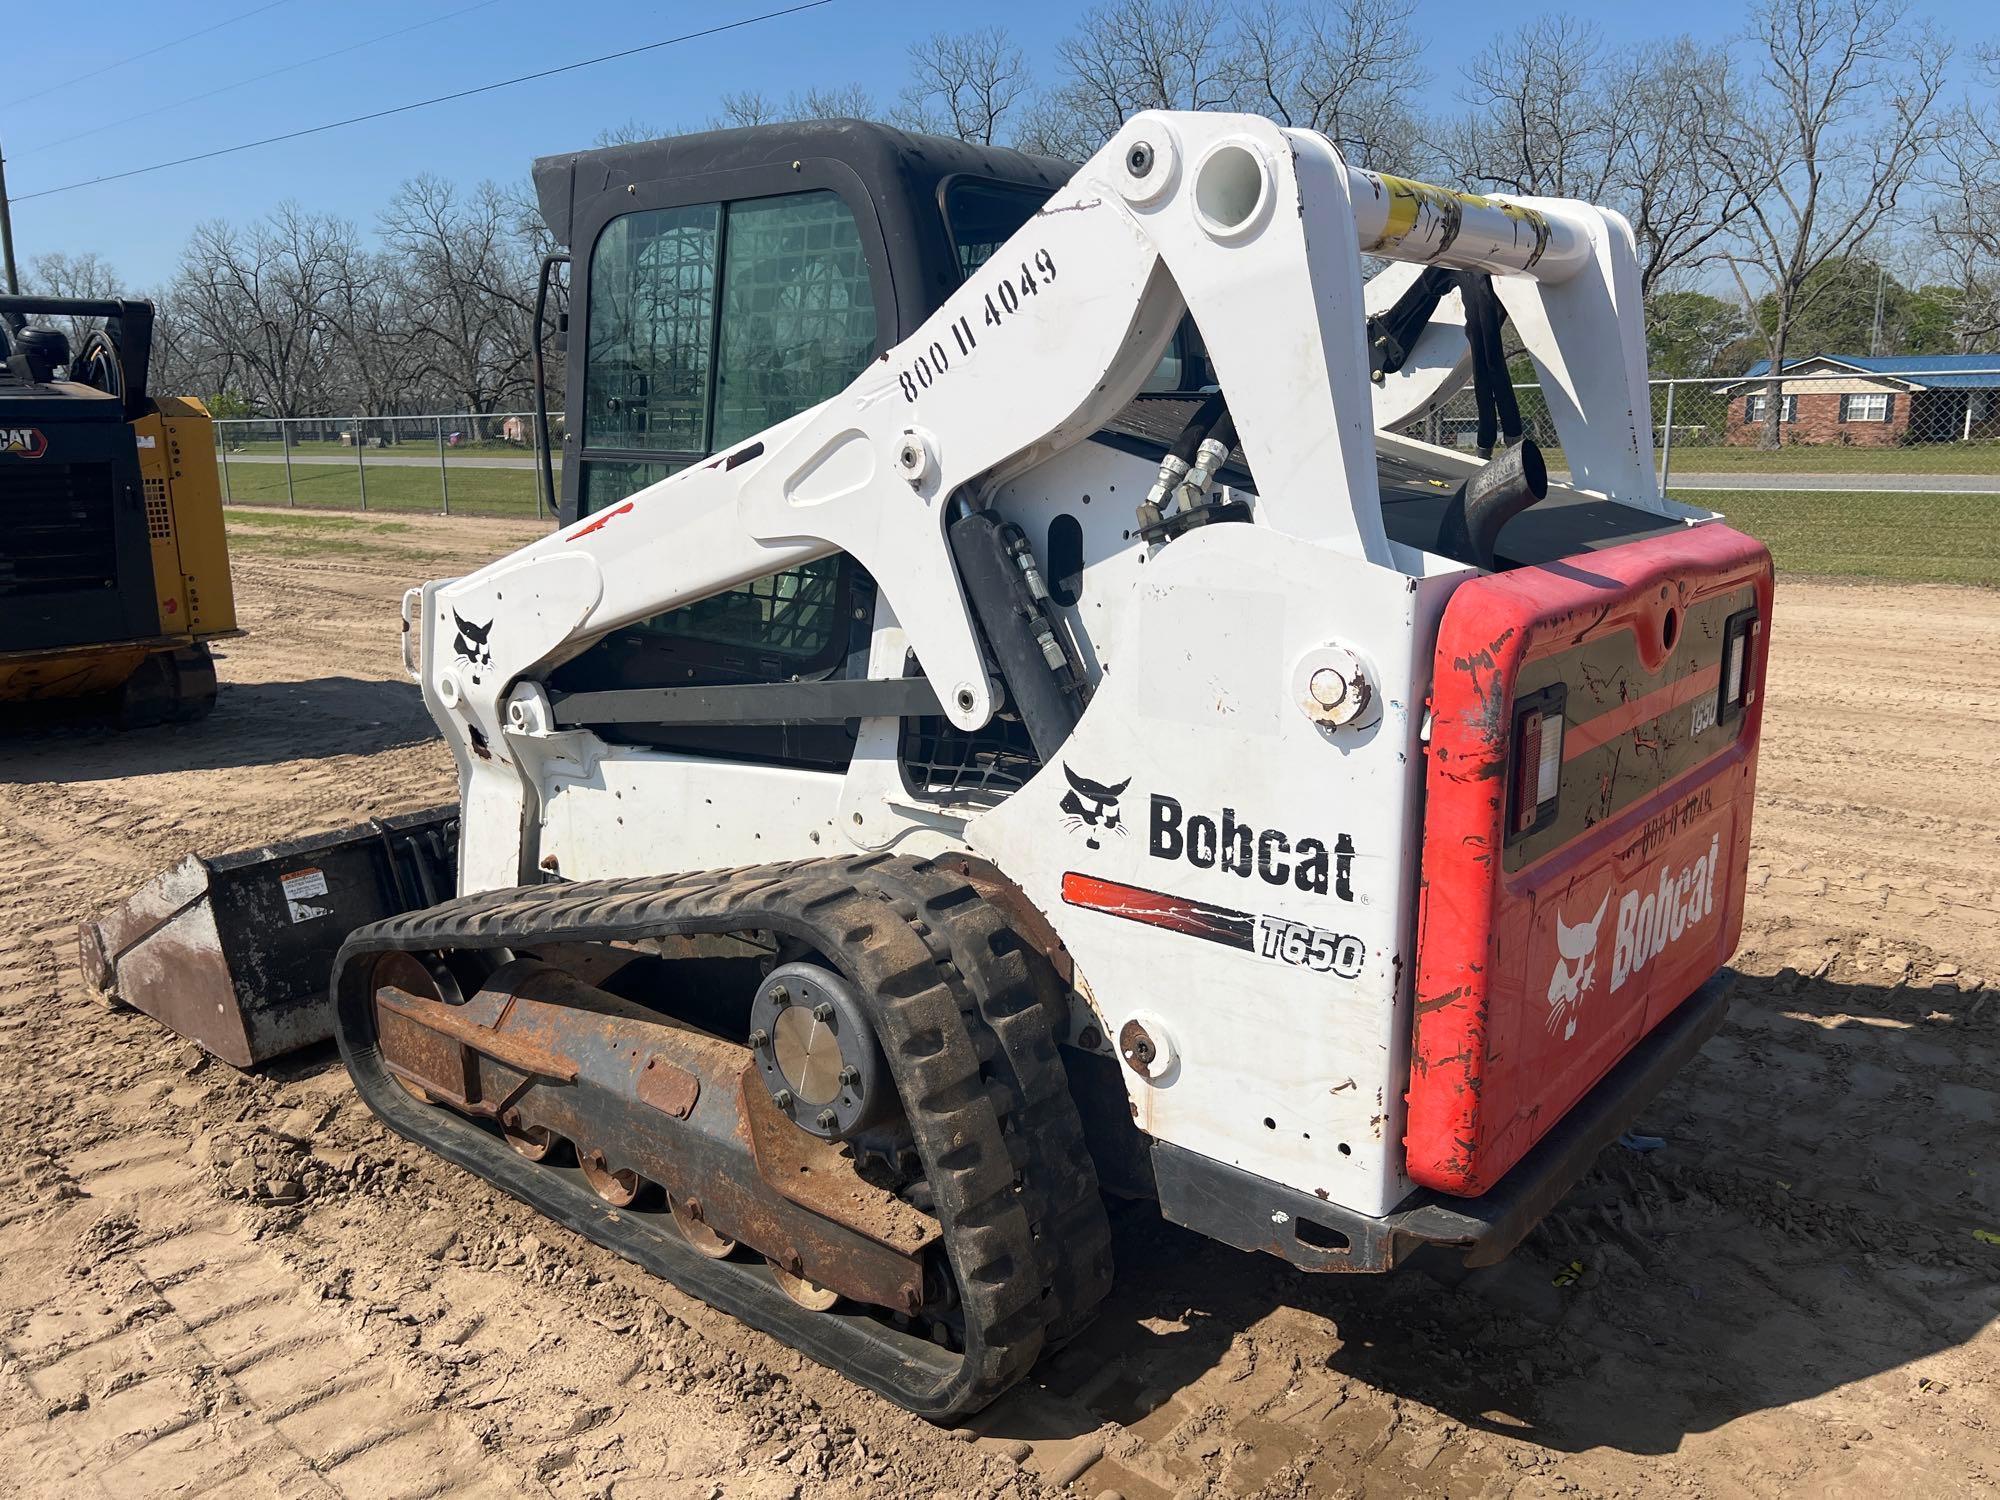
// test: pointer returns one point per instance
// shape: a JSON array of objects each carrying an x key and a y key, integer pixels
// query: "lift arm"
[{"x": 1256, "y": 230}]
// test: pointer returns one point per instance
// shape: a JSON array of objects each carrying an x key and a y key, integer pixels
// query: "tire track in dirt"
[
  {"x": 198, "y": 1303},
  {"x": 1786, "y": 1299}
]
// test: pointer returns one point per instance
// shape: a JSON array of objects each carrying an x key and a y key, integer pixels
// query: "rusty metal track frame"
[{"x": 925, "y": 994}]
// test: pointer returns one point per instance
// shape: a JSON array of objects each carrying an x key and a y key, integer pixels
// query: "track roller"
[
  {"x": 687, "y": 1219},
  {"x": 531, "y": 1142},
  {"x": 620, "y": 1188},
  {"x": 808, "y": 1294}
]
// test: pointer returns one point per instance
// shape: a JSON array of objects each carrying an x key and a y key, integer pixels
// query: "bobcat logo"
[
  {"x": 471, "y": 643},
  {"x": 1092, "y": 807},
  {"x": 1576, "y": 968}
]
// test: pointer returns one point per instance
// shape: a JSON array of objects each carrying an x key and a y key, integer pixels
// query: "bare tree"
[
  {"x": 630, "y": 133},
  {"x": 1343, "y": 69},
  {"x": 1680, "y": 211},
  {"x": 963, "y": 85},
  {"x": 746, "y": 107},
  {"x": 255, "y": 308},
  {"x": 848, "y": 101},
  {"x": 467, "y": 289},
  {"x": 1821, "y": 140},
  {"x": 56, "y": 274},
  {"x": 378, "y": 366},
  {"x": 750, "y": 107},
  {"x": 1965, "y": 221},
  {"x": 1129, "y": 56},
  {"x": 1540, "y": 121}
]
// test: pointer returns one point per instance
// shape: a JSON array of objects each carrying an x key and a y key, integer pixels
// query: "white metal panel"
[
  {"x": 628, "y": 811},
  {"x": 1197, "y": 709}
]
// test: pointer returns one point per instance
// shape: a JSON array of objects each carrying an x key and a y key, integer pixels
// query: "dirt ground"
[{"x": 213, "y": 1283}]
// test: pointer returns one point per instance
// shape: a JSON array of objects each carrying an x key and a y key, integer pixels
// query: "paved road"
[
  {"x": 1900, "y": 484},
  {"x": 1894, "y": 484}
]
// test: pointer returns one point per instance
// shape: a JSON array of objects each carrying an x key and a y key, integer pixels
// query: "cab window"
[
  {"x": 798, "y": 315},
  {"x": 710, "y": 322},
  {"x": 707, "y": 324},
  {"x": 652, "y": 323}
]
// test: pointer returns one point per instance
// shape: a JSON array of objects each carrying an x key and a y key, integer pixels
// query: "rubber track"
[
  {"x": 918, "y": 944},
  {"x": 1011, "y": 986}
]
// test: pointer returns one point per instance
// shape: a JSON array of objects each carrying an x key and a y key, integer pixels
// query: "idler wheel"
[{"x": 428, "y": 978}]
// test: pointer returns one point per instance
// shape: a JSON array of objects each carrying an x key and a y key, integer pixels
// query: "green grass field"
[
  {"x": 1859, "y": 534},
  {"x": 391, "y": 487},
  {"x": 1934, "y": 538},
  {"x": 1830, "y": 458},
  {"x": 1923, "y": 458}
]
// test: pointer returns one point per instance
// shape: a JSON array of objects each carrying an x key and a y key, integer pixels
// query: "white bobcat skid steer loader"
[{"x": 1002, "y": 716}]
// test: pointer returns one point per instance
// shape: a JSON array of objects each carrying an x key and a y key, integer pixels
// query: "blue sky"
[{"x": 139, "y": 224}]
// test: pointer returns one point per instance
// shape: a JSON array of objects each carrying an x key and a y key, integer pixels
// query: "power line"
[
  {"x": 403, "y": 109},
  {"x": 150, "y": 52},
  {"x": 147, "y": 114}
]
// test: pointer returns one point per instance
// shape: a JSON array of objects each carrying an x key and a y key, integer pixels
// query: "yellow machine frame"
[{"x": 191, "y": 584}]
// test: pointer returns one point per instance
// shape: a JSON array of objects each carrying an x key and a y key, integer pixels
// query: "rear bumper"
[{"x": 1251, "y": 1213}]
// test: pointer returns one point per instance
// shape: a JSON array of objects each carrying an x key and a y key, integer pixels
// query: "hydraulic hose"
[
  {"x": 1192, "y": 458},
  {"x": 1005, "y": 587},
  {"x": 1486, "y": 502}
]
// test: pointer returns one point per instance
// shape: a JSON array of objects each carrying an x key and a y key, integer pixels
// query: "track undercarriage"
[{"x": 592, "y": 1048}]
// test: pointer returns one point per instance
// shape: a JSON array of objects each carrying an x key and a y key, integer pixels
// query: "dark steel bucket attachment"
[{"x": 234, "y": 952}]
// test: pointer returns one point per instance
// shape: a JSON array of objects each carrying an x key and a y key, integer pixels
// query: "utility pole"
[
  {"x": 7, "y": 233},
  {"x": 1875, "y": 332}
]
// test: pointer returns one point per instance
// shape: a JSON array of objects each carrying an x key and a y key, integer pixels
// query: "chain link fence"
[
  {"x": 482, "y": 464},
  {"x": 1877, "y": 473},
  {"x": 1887, "y": 472}
]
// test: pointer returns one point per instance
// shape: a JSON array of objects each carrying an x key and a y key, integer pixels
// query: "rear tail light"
[
  {"x": 1538, "y": 761},
  {"x": 1737, "y": 688}
]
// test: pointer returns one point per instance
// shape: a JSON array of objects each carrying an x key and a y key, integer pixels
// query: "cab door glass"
[
  {"x": 708, "y": 324},
  {"x": 652, "y": 322}
]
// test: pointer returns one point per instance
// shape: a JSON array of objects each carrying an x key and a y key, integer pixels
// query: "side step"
[{"x": 233, "y": 951}]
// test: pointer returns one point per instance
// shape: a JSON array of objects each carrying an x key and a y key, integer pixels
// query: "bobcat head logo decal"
[
  {"x": 1092, "y": 807},
  {"x": 1576, "y": 968},
  {"x": 471, "y": 644}
]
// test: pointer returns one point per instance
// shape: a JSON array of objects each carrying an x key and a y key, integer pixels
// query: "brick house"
[{"x": 1862, "y": 402}]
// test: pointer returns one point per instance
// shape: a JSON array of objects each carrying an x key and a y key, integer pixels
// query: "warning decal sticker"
[{"x": 298, "y": 886}]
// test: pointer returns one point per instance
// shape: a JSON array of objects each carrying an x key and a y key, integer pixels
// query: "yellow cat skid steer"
[{"x": 114, "y": 573}]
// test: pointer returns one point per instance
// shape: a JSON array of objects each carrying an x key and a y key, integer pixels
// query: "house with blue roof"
[{"x": 1870, "y": 401}]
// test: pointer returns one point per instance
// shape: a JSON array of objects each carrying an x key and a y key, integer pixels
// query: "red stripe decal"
[
  {"x": 1216, "y": 924},
  {"x": 1579, "y": 739},
  {"x": 598, "y": 523}
]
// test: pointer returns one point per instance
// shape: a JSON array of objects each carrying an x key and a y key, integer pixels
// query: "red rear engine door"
[{"x": 1593, "y": 760}]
